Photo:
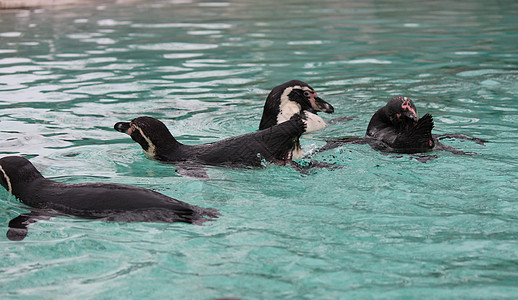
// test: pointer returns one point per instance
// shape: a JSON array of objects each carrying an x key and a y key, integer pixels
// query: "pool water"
[{"x": 381, "y": 226}]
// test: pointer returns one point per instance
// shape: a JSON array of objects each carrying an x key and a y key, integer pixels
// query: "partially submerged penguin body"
[
  {"x": 274, "y": 144},
  {"x": 396, "y": 128},
  {"x": 291, "y": 98},
  {"x": 106, "y": 201}
]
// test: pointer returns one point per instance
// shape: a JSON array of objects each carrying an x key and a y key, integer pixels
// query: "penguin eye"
[{"x": 307, "y": 94}]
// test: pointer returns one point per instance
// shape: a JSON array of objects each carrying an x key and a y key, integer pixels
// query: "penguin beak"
[
  {"x": 320, "y": 105},
  {"x": 124, "y": 127},
  {"x": 410, "y": 114}
]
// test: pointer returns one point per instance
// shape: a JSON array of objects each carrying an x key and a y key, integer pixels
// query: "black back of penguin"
[
  {"x": 396, "y": 128},
  {"x": 272, "y": 144},
  {"x": 115, "y": 202}
]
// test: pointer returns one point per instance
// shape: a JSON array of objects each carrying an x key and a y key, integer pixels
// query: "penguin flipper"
[
  {"x": 443, "y": 147},
  {"x": 18, "y": 226},
  {"x": 417, "y": 138},
  {"x": 460, "y": 136},
  {"x": 281, "y": 139}
]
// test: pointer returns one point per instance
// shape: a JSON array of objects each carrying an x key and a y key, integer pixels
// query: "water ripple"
[{"x": 174, "y": 46}]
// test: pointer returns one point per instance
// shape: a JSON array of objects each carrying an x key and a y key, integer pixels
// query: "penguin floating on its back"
[
  {"x": 397, "y": 128},
  {"x": 106, "y": 201},
  {"x": 294, "y": 98},
  {"x": 274, "y": 144}
]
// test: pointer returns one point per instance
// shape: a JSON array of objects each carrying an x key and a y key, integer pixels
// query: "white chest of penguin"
[
  {"x": 288, "y": 109},
  {"x": 313, "y": 122}
]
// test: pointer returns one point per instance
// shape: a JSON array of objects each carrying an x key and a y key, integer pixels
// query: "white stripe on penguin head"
[
  {"x": 151, "y": 151},
  {"x": 288, "y": 108},
  {"x": 9, "y": 186}
]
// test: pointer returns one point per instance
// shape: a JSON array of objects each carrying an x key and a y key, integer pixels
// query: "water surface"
[{"x": 383, "y": 226}]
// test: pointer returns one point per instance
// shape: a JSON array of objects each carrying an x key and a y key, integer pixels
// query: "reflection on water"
[{"x": 382, "y": 225}]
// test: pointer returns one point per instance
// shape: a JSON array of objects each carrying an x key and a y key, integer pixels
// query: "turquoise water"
[{"x": 383, "y": 226}]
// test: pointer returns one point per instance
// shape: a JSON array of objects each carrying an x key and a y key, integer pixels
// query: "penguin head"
[
  {"x": 15, "y": 172},
  {"x": 401, "y": 111},
  {"x": 294, "y": 97},
  {"x": 152, "y": 135}
]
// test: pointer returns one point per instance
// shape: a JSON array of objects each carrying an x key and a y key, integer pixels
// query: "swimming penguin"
[
  {"x": 274, "y": 144},
  {"x": 397, "y": 128},
  {"x": 290, "y": 98},
  {"x": 107, "y": 201}
]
